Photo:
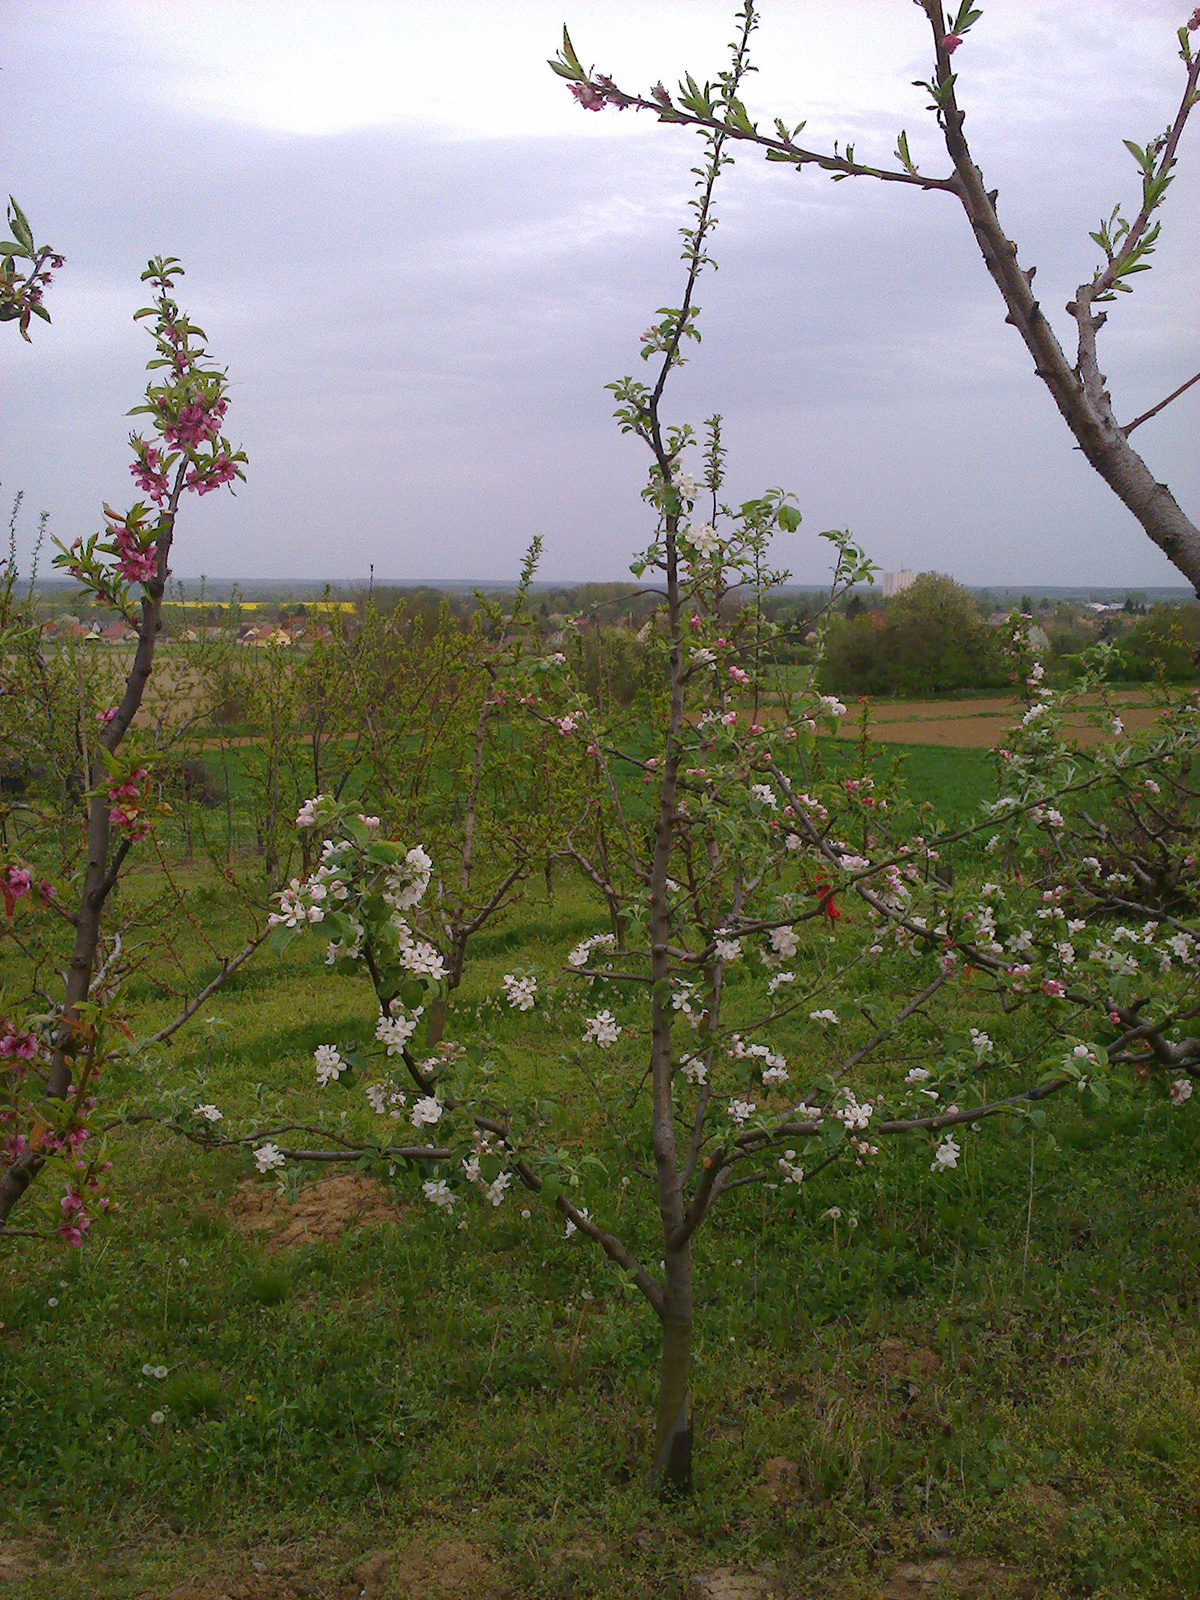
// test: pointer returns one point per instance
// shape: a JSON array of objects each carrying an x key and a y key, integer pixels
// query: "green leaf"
[
  {"x": 788, "y": 518},
  {"x": 412, "y": 993}
]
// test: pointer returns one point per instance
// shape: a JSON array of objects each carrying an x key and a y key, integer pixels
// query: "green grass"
[{"x": 938, "y": 1382}]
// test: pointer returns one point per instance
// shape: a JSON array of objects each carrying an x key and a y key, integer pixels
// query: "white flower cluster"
[
  {"x": 422, "y": 959},
  {"x": 405, "y": 884},
  {"x": 784, "y": 942},
  {"x": 521, "y": 993},
  {"x": 775, "y": 1068},
  {"x": 704, "y": 540},
  {"x": 740, "y": 1111},
  {"x": 268, "y": 1156},
  {"x": 396, "y": 1031},
  {"x": 765, "y": 795},
  {"x": 981, "y": 1044},
  {"x": 681, "y": 1000},
  {"x": 386, "y": 1100},
  {"x": 726, "y": 949},
  {"x": 307, "y": 816},
  {"x": 851, "y": 1113},
  {"x": 598, "y": 941},
  {"x": 787, "y": 1165},
  {"x": 439, "y": 1193},
  {"x": 831, "y": 1017},
  {"x": 693, "y": 1069},
  {"x": 209, "y": 1113},
  {"x": 330, "y": 1065},
  {"x": 602, "y": 1029}
]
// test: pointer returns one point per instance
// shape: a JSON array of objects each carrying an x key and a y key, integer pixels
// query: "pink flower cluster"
[
  {"x": 15, "y": 884},
  {"x": 148, "y": 471},
  {"x": 126, "y": 802},
  {"x": 195, "y": 425},
  {"x": 76, "y": 1220},
  {"x": 15, "y": 1045},
  {"x": 134, "y": 564},
  {"x": 220, "y": 470}
]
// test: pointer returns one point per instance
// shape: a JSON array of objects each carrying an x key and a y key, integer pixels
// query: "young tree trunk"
[{"x": 672, "y": 1470}]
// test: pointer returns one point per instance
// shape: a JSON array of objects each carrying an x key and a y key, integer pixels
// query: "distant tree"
[{"x": 928, "y": 640}]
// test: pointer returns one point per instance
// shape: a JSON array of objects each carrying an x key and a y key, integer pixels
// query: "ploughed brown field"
[{"x": 979, "y": 724}]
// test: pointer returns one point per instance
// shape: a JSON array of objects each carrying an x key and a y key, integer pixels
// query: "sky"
[{"x": 421, "y": 263}]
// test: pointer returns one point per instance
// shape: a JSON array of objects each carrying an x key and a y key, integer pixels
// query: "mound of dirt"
[
  {"x": 323, "y": 1211},
  {"x": 453, "y": 1570}
]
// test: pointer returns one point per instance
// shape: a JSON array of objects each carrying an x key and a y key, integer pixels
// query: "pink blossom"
[
  {"x": 221, "y": 471},
  {"x": 1051, "y": 986},
  {"x": 194, "y": 425},
  {"x": 590, "y": 99},
  {"x": 952, "y": 42},
  {"x": 105, "y": 717},
  {"x": 738, "y": 675},
  {"x": 728, "y": 720},
  {"x": 148, "y": 471}
]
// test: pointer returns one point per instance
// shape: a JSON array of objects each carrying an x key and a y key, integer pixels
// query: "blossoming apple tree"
[{"x": 755, "y": 879}]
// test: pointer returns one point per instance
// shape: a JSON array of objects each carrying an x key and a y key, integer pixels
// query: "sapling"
[
  {"x": 52, "y": 1049},
  {"x": 760, "y": 882}
]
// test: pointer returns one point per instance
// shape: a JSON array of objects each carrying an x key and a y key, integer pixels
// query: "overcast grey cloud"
[{"x": 421, "y": 264}]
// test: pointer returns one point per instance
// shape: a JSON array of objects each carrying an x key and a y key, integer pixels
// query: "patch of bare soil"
[
  {"x": 944, "y": 1579},
  {"x": 453, "y": 1570},
  {"x": 18, "y": 1559},
  {"x": 323, "y": 1211},
  {"x": 726, "y": 1583},
  {"x": 289, "y": 1580},
  {"x": 901, "y": 1360}
]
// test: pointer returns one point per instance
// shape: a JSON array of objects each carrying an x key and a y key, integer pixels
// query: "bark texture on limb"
[{"x": 1078, "y": 389}]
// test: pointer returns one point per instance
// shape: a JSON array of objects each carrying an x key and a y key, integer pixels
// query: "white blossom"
[
  {"x": 784, "y": 942},
  {"x": 330, "y": 1065},
  {"x": 602, "y": 1029},
  {"x": 439, "y": 1193},
  {"x": 1181, "y": 1090},
  {"x": 824, "y": 1016},
  {"x": 741, "y": 1111},
  {"x": 209, "y": 1113},
  {"x": 787, "y": 1165},
  {"x": 423, "y": 960},
  {"x": 946, "y": 1156},
  {"x": 704, "y": 539},
  {"x": 426, "y": 1111},
  {"x": 395, "y": 1032},
  {"x": 268, "y": 1157},
  {"x": 765, "y": 795},
  {"x": 520, "y": 992}
]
